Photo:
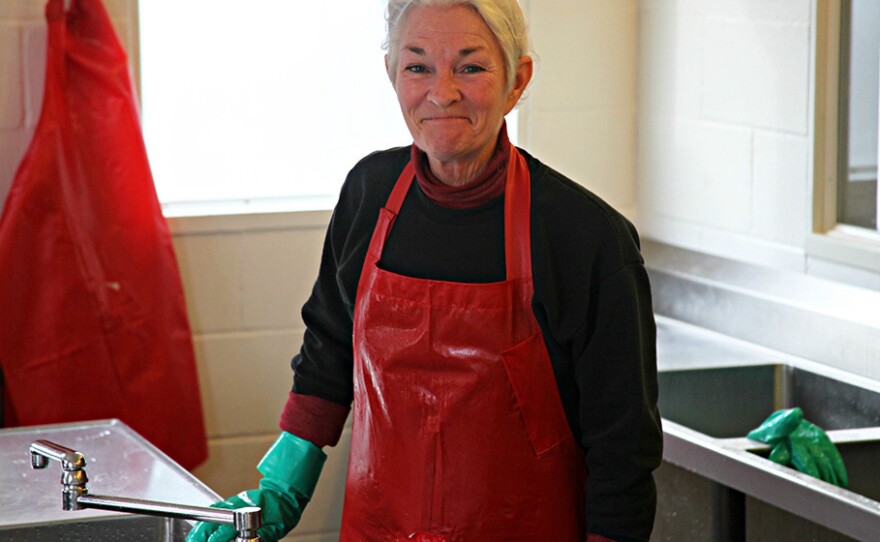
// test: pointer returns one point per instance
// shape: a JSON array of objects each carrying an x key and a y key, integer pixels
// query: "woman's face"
[{"x": 451, "y": 84}]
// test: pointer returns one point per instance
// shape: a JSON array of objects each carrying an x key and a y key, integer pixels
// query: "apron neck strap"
[{"x": 517, "y": 217}]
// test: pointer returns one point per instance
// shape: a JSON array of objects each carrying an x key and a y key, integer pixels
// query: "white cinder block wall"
[
  {"x": 580, "y": 115},
  {"x": 245, "y": 279},
  {"x": 724, "y": 124}
]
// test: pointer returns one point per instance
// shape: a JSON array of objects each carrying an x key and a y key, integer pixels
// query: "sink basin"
[
  {"x": 712, "y": 472},
  {"x": 727, "y": 402},
  {"x": 128, "y": 528}
]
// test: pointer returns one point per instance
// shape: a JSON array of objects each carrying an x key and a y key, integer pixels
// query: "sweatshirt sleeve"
[
  {"x": 323, "y": 367},
  {"x": 322, "y": 391},
  {"x": 593, "y": 302},
  {"x": 617, "y": 375}
]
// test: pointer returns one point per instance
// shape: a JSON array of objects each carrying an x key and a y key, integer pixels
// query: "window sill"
[
  {"x": 847, "y": 245},
  {"x": 245, "y": 216}
]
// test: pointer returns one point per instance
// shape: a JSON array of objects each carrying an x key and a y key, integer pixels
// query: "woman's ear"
[
  {"x": 388, "y": 69},
  {"x": 520, "y": 81}
]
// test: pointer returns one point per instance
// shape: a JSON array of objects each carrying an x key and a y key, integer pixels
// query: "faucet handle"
[{"x": 246, "y": 521}]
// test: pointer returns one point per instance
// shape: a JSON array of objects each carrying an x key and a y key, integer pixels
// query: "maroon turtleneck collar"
[{"x": 486, "y": 187}]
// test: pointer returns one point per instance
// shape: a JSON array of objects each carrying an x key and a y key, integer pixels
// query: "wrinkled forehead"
[{"x": 449, "y": 30}]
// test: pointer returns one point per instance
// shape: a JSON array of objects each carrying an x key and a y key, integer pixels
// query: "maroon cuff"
[
  {"x": 316, "y": 420},
  {"x": 597, "y": 538}
]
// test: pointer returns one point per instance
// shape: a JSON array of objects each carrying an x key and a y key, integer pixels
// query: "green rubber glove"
[
  {"x": 814, "y": 453},
  {"x": 777, "y": 426},
  {"x": 802, "y": 445},
  {"x": 290, "y": 472}
]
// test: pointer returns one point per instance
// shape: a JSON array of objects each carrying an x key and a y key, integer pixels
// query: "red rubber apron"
[{"x": 458, "y": 433}]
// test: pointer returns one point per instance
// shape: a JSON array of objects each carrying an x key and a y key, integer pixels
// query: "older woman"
[{"x": 489, "y": 319}]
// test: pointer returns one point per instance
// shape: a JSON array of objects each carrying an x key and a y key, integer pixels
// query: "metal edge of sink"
[
  {"x": 135, "y": 528},
  {"x": 730, "y": 462}
]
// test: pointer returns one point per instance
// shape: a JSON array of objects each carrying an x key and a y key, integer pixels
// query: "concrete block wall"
[
  {"x": 724, "y": 127},
  {"x": 245, "y": 279},
  {"x": 580, "y": 115}
]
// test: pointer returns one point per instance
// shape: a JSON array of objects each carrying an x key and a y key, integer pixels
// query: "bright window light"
[{"x": 266, "y": 102}]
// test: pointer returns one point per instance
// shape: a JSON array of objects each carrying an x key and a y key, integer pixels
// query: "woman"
[{"x": 490, "y": 320}]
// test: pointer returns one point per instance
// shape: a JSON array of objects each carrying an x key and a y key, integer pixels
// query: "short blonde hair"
[{"x": 504, "y": 18}]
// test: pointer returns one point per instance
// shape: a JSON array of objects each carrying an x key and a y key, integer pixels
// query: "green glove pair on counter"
[
  {"x": 802, "y": 445},
  {"x": 290, "y": 472}
]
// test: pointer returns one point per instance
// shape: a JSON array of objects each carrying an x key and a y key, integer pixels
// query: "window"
[
  {"x": 266, "y": 103},
  {"x": 847, "y": 62},
  {"x": 262, "y": 101},
  {"x": 859, "y": 99}
]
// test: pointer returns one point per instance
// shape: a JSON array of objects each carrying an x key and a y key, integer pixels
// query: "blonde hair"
[{"x": 504, "y": 18}]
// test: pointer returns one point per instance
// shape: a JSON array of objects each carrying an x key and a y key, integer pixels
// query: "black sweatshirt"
[{"x": 592, "y": 300}]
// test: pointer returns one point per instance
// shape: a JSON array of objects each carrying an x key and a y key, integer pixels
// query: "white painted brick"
[
  {"x": 244, "y": 380},
  {"x": 781, "y": 210},
  {"x": 22, "y": 9},
  {"x": 11, "y": 81},
  {"x": 123, "y": 28},
  {"x": 670, "y": 60},
  {"x": 696, "y": 172},
  {"x": 122, "y": 9},
  {"x": 594, "y": 148},
  {"x": 279, "y": 271},
  {"x": 660, "y": 227},
  {"x": 667, "y": 159},
  {"x": 232, "y": 463},
  {"x": 13, "y": 143},
  {"x": 210, "y": 267},
  {"x": 721, "y": 189},
  {"x": 757, "y": 74},
  {"x": 777, "y": 11},
  {"x": 587, "y": 53},
  {"x": 35, "y": 36}
]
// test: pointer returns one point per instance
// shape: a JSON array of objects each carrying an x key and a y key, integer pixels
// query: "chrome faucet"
[{"x": 75, "y": 495}]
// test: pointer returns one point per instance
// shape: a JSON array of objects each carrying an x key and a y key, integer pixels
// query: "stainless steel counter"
[{"x": 120, "y": 462}]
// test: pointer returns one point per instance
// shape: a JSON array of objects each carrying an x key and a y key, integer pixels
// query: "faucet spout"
[
  {"x": 245, "y": 521},
  {"x": 73, "y": 474}
]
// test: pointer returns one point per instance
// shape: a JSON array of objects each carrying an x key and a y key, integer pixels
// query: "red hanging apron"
[
  {"x": 459, "y": 434},
  {"x": 93, "y": 322}
]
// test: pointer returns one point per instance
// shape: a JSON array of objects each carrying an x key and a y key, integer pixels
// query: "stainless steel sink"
[
  {"x": 726, "y": 479},
  {"x": 728, "y": 402},
  {"x": 128, "y": 528}
]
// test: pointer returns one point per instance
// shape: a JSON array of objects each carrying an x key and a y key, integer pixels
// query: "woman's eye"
[
  {"x": 473, "y": 69},
  {"x": 415, "y": 68}
]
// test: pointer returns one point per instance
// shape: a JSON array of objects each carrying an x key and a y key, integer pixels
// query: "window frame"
[{"x": 829, "y": 239}]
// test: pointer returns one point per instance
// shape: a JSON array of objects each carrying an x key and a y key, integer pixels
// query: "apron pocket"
[{"x": 534, "y": 384}]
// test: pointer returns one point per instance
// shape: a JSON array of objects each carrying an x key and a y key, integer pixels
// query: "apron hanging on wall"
[{"x": 92, "y": 316}]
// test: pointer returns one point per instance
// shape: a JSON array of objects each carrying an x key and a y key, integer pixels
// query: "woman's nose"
[{"x": 444, "y": 90}]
